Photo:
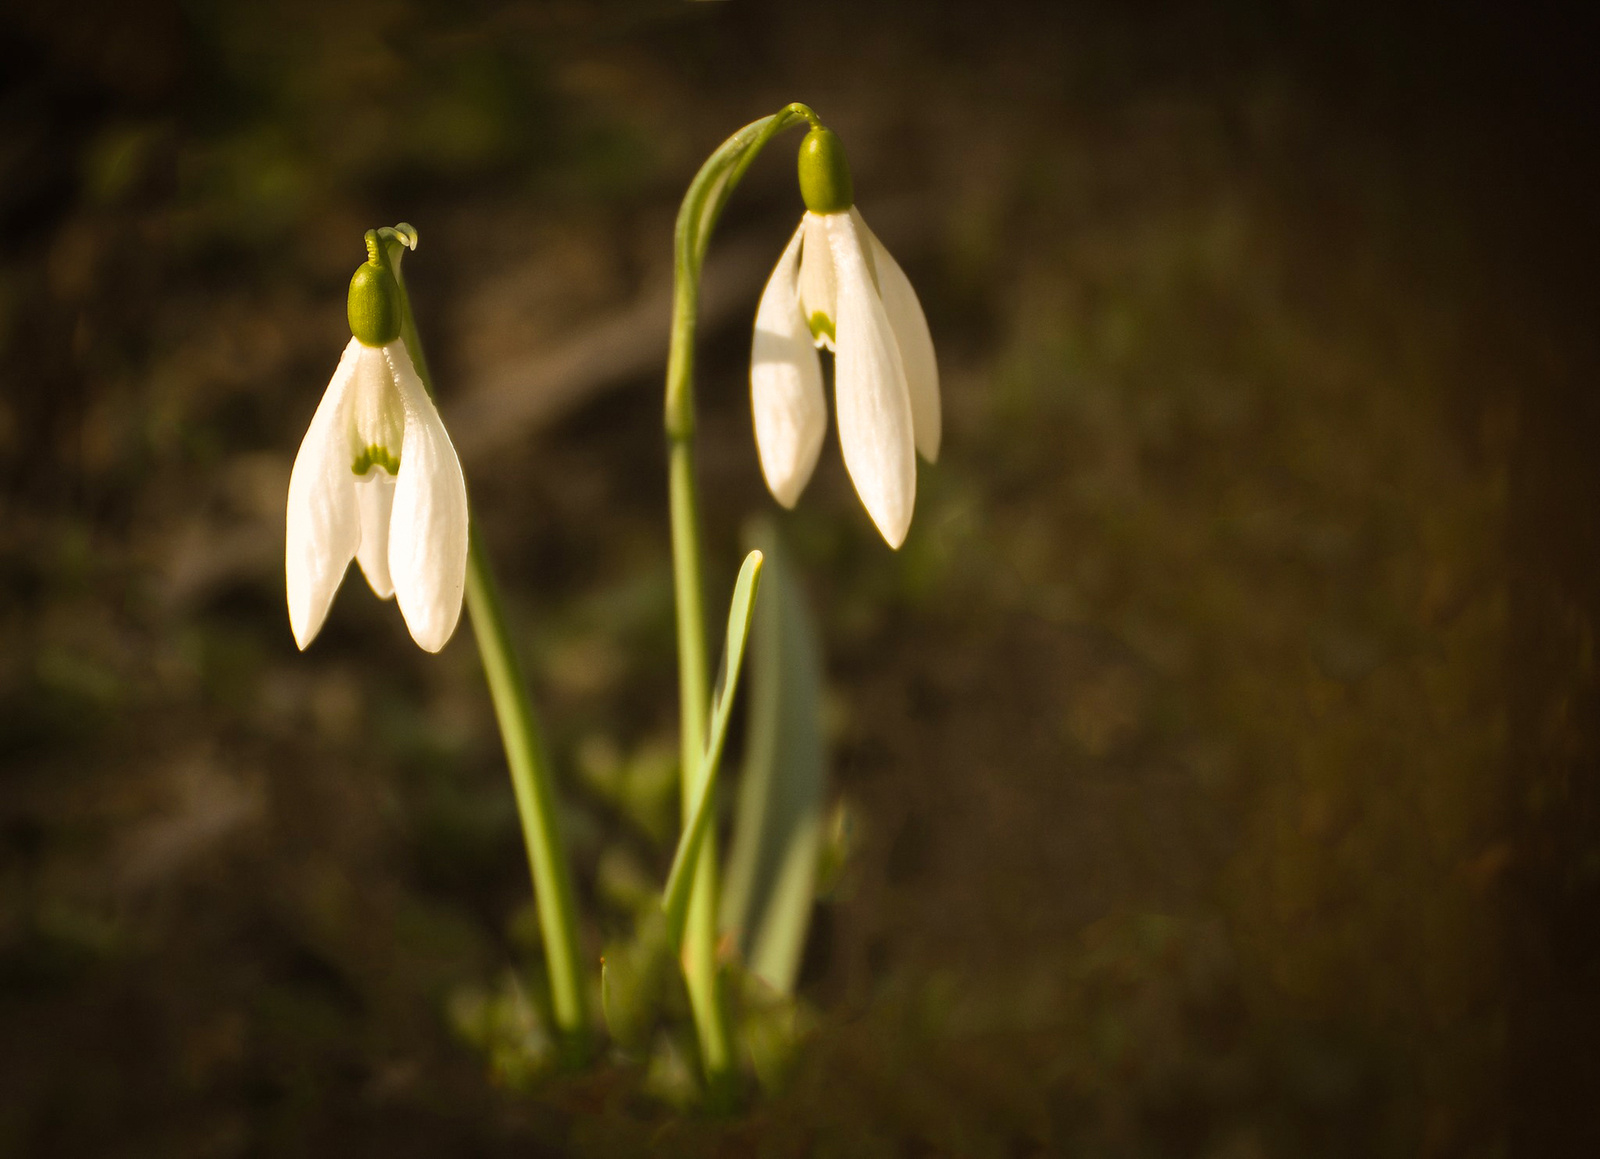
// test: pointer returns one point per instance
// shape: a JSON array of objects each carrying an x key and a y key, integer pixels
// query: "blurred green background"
[{"x": 1214, "y": 770}]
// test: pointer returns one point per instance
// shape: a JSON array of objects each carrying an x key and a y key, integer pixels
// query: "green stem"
[
  {"x": 700, "y": 971},
  {"x": 697, "y": 217},
  {"x": 531, "y": 780},
  {"x": 536, "y": 802}
]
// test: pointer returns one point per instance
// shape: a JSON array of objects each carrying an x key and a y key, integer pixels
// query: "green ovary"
[{"x": 376, "y": 456}]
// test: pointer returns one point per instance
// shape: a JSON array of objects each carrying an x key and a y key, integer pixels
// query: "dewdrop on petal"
[
  {"x": 377, "y": 480},
  {"x": 835, "y": 286}
]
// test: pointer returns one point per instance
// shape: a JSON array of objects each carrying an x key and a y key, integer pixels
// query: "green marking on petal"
[
  {"x": 376, "y": 456},
  {"x": 822, "y": 324}
]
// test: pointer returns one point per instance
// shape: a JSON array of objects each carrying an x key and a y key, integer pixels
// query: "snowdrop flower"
[
  {"x": 837, "y": 287},
  {"x": 377, "y": 480}
]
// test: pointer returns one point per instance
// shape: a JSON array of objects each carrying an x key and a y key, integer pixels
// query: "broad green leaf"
[
  {"x": 676, "y": 899},
  {"x": 770, "y": 882}
]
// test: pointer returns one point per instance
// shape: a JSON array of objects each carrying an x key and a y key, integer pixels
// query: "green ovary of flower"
[
  {"x": 374, "y": 305},
  {"x": 825, "y": 183}
]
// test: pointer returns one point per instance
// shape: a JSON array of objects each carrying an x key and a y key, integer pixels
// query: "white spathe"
[
  {"x": 836, "y": 286},
  {"x": 403, "y": 518}
]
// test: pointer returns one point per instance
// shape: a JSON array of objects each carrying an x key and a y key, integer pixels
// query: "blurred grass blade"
[
  {"x": 676, "y": 899},
  {"x": 771, "y": 876}
]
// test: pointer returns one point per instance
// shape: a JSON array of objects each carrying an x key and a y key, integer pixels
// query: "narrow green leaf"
[
  {"x": 675, "y": 901},
  {"x": 770, "y": 883}
]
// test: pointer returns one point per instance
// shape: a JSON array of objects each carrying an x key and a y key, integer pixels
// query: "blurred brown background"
[{"x": 1220, "y": 751}]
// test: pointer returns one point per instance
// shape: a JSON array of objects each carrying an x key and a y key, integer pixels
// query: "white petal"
[
  {"x": 428, "y": 529},
  {"x": 875, "y": 430},
  {"x": 818, "y": 283},
  {"x": 322, "y": 526},
  {"x": 911, "y": 335},
  {"x": 786, "y": 399},
  {"x": 375, "y": 498},
  {"x": 376, "y": 419}
]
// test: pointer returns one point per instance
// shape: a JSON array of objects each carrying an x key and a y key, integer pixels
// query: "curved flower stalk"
[
  {"x": 836, "y": 286},
  {"x": 702, "y": 204},
  {"x": 377, "y": 480}
]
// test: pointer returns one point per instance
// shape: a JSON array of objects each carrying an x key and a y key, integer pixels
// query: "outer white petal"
[
  {"x": 428, "y": 529},
  {"x": 375, "y": 498},
  {"x": 875, "y": 430},
  {"x": 911, "y": 334},
  {"x": 818, "y": 283},
  {"x": 322, "y": 526},
  {"x": 786, "y": 399}
]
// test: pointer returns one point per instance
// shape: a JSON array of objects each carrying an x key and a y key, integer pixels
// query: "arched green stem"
[
  {"x": 697, "y": 217},
  {"x": 529, "y": 763}
]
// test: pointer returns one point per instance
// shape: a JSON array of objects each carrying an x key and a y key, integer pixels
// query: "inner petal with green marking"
[
  {"x": 376, "y": 456},
  {"x": 377, "y": 417},
  {"x": 822, "y": 331},
  {"x": 816, "y": 284}
]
